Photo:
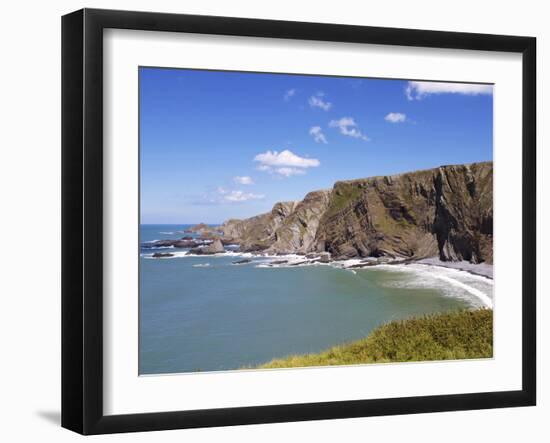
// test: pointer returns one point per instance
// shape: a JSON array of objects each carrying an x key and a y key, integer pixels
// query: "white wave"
[
  {"x": 201, "y": 265},
  {"x": 474, "y": 289},
  {"x": 456, "y": 271},
  {"x": 175, "y": 254},
  {"x": 292, "y": 261},
  {"x": 227, "y": 253},
  {"x": 347, "y": 263},
  {"x": 160, "y": 247},
  {"x": 353, "y": 262},
  {"x": 187, "y": 254},
  {"x": 166, "y": 233},
  {"x": 221, "y": 254}
]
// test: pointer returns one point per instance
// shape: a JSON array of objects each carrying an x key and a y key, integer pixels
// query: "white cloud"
[
  {"x": 235, "y": 196},
  {"x": 224, "y": 196},
  {"x": 285, "y": 158},
  {"x": 347, "y": 126},
  {"x": 284, "y": 163},
  {"x": 395, "y": 117},
  {"x": 317, "y": 133},
  {"x": 419, "y": 90},
  {"x": 317, "y": 101},
  {"x": 289, "y": 94},
  {"x": 243, "y": 180},
  {"x": 287, "y": 172},
  {"x": 240, "y": 196}
]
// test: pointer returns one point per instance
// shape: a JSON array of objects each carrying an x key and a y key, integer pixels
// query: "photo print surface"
[{"x": 291, "y": 221}]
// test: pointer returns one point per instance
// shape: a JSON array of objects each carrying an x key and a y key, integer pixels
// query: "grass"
[
  {"x": 344, "y": 195},
  {"x": 448, "y": 336}
]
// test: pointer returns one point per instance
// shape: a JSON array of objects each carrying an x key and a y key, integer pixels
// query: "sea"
[{"x": 206, "y": 313}]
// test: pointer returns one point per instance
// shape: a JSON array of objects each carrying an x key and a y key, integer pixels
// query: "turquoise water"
[{"x": 221, "y": 316}]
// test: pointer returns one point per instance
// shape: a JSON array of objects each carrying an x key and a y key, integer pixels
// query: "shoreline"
[
  {"x": 481, "y": 269},
  {"x": 180, "y": 248},
  {"x": 296, "y": 260}
]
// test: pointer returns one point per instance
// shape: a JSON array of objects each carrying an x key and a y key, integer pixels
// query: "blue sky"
[{"x": 218, "y": 145}]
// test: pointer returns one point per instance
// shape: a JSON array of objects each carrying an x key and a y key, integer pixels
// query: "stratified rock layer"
[
  {"x": 445, "y": 212},
  {"x": 258, "y": 233},
  {"x": 297, "y": 232}
]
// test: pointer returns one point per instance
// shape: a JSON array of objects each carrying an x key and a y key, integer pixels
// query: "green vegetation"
[
  {"x": 448, "y": 336},
  {"x": 344, "y": 193}
]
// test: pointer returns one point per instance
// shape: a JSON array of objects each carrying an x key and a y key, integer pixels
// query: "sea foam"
[{"x": 474, "y": 289}]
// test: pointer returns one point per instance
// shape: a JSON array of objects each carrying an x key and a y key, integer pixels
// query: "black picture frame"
[{"x": 82, "y": 218}]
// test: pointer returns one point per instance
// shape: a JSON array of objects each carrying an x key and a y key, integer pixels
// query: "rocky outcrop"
[
  {"x": 290, "y": 227},
  {"x": 198, "y": 228},
  {"x": 216, "y": 247},
  {"x": 242, "y": 262},
  {"x": 464, "y": 213},
  {"x": 205, "y": 231},
  {"x": 380, "y": 216},
  {"x": 297, "y": 231},
  {"x": 258, "y": 233},
  {"x": 181, "y": 243},
  {"x": 445, "y": 212},
  {"x": 162, "y": 255}
]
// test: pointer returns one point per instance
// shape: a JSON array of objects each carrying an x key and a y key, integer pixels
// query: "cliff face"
[
  {"x": 297, "y": 231},
  {"x": 258, "y": 233},
  {"x": 445, "y": 212}
]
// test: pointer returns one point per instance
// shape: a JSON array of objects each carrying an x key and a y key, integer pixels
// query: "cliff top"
[{"x": 413, "y": 173}]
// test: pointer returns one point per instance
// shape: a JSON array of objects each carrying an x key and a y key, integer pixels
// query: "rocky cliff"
[
  {"x": 445, "y": 212},
  {"x": 258, "y": 233},
  {"x": 297, "y": 232}
]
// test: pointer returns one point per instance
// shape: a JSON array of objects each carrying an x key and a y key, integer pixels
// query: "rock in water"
[
  {"x": 324, "y": 257},
  {"x": 162, "y": 255},
  {"x": 216, "y": 247},
  {"x": 242, "y": 262},
  {"x": 175, "y": 243},
  {"x": 279, "y": 262}
]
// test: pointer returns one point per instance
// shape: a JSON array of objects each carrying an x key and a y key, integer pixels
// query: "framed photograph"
[{"x": 269, "y": 221}]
